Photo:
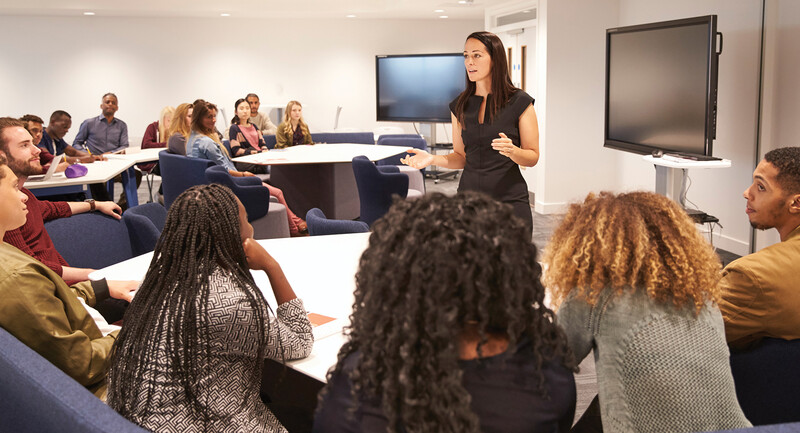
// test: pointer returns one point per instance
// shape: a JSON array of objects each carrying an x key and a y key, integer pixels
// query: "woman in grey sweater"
[{"x": 636, "y": 282}]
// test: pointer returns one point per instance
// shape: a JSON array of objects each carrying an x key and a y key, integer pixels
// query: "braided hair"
[
  {"x": 434, "y": 266},
  {"x": 201, "y": 237}
]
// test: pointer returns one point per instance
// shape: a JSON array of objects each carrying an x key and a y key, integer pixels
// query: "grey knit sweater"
[{"x": 659, "y": 368}]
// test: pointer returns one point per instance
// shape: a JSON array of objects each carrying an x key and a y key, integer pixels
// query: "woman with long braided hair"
[
  {"x": 189, "y": 357},
  {"x": 449, "y": 331}
]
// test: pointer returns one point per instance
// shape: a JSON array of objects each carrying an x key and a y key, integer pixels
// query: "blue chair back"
[
  {"x": 90, "y": 240},
  {"x": 270, "y": 140},
  {"x": 343, "y": 137},
  {"x": 227, "y": 144},
  {"x": 144, "y": 223},
  {"x": 376, "y": 187},
  {"x": 38, "y": 397},
  {"x": 179, "y": 173},
  {"x": 253, "y": 195},
  {"x": 319, "y": 225},
  {"x": 402, "y": 140},
  {"x": 767, "y": 381}
]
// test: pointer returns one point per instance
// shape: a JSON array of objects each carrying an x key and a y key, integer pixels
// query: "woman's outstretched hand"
[{"x": 419, "y": 160}]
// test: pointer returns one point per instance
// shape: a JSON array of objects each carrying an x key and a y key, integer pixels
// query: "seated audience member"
[
  {"x": 39, "y": 308},
  {"x": 245, "y": 138},
  {"x": 53, "y": 140},
  {"x": 190, "y": 355},
  {"x": 179, "y": 129},
  {"x": 449, "y": 328},
  {"x": 155, "y": 135},
  {"x": 35, "y": 126},
  {"x": 637, "y": 284},
  {"x": 205, "y": 143},
  {"x": 261, "y": 120},
  {"x": 760, "y": 292},
  {"x": 293, "y": 130},
  {"x": 32, "y": 238},
  {"x": 105, "y": 134}
]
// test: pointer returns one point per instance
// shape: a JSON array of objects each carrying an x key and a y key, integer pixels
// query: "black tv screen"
[
  {"x": 661, "y": 86},
  {"x": 419, "y": 87}
]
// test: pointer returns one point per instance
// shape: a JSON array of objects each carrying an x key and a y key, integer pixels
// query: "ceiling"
[{"x": 362, "y": 9}]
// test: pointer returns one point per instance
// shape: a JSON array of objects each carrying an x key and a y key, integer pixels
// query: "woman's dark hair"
[
  {"x": 200, "y": 238},
  {"x": 199, "y": 112},
  {"x": 235, "y": 120},
  {"x": 502, "y": 87},
  {"x": 433, "y": 266}
]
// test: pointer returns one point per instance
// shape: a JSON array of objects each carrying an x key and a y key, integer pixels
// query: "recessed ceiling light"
[
  {"x": 351, "y": 16},
  {"x": 88, "y": 14},
  {"x": 526, "y": 11},
  {"x": 224, "y": 15},
  {"x": 439, "y": 11},
  {"x": 442, "y": 16}
]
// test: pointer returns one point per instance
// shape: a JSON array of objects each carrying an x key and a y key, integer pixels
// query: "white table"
[
  {"x": 321, "y": 270},
  {"x": 320, "y": 175},
  {"x": 98, "y": 172}
]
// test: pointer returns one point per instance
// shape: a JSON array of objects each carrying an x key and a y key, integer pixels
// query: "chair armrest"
[
  {"x": 247, "y": 181},
  {"x": 388, "y": 169}
]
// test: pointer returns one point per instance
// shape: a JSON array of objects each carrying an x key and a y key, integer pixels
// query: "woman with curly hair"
[
  {"x": 190, "y": 355},
  {"x": 637, "y": 283},
  {"x": 449, "y": 332}
]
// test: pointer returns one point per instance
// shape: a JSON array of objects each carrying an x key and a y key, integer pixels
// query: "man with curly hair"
[{"x": 760, "y": 295}]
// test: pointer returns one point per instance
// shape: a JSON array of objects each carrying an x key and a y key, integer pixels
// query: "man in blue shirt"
[{"x": 104, "y": 133}]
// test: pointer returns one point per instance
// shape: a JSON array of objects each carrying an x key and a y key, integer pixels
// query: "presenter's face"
[
  {"x": 13, "y": 210},
  {"x": 767, "y": 203},
  {"x": 243, "y": 111},
  {"x": 477, "y": 60},
  {"x": 297, "y": 112}
]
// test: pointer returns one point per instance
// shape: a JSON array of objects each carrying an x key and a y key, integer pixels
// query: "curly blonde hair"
[{"x": 637, "y": 240}]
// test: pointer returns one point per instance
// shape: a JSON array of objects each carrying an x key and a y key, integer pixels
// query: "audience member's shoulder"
[{"x": 16, "y": 262}]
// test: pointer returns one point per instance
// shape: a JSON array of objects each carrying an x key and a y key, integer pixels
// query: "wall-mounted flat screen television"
[
  {"x": 661, "y": 86},
  {"x": 418, "y": 87}
]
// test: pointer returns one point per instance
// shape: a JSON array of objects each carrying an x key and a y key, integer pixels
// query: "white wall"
[
  {"x": 570, "y": 102},
  {"x": 52, "y": 63},
  {"x": 574, "y": 161}
]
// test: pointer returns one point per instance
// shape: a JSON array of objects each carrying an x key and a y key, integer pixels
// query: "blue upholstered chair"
[
  {"x": 270, "y": 140},
  {"x": 767, "y": 381},
  {"x": 376, "y": 186},
  {"x": 416, "y": 178},
  {"x": 90, "y": 240},
  {"x": 144, "y": 223},
  {"x": 343, "y": 137},
  {"x": 269, "y": 219},
  {"x": 319, "y": 225},
  {"x": 38, "y": 397},
  {"x": 179, "y": 173},
  {"x": 227, "y": 144}
]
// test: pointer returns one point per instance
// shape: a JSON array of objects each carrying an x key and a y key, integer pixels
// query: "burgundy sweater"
[{"x": 33, "y": 240}]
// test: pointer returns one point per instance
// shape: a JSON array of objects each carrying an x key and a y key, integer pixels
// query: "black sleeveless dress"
[{"x": 486, "y": 170}]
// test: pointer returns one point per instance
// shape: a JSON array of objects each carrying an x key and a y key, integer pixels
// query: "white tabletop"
[
  {"x": 323, "y": 153},
  {"x": 671, "y": 162},
  {"x": 99, "y": 172},
  {"x": 137, "y": 154},
  {"x": 321, "y": 270}
]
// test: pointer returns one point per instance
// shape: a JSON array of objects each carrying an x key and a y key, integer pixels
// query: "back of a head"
[
  {"x": 787, "y": 161},
  {"x": 434, "y": 265},
  {"x": 636, "y": 240},
  {"x": 201, "y": 236}
]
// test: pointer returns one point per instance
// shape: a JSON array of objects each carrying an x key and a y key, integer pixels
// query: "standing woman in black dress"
[{"x": 494, "y": 129}]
